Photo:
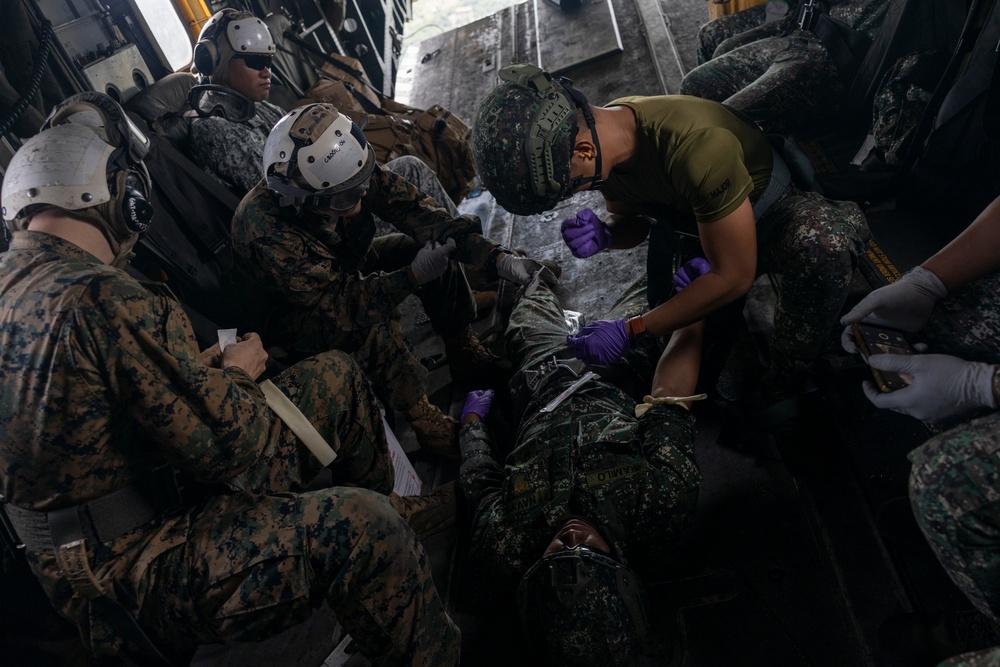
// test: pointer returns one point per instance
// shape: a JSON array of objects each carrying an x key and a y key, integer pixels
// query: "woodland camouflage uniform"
[
  {"x": 320, "y": 283},
  {"x": 230, "y": 151},
  {"x": 786, "y": 80},
  {"x": 104, "y": 383},
  {"x": 635, "y": 478},
  {"x": 955, "y": 476}
]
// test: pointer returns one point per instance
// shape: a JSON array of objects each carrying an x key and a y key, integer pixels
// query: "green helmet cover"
[
  {"x": 522, "y": 140},
  {"x": 581, "y": 607}
]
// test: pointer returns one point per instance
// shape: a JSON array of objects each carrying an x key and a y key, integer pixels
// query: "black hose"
[{"x": 44, "y": 44}]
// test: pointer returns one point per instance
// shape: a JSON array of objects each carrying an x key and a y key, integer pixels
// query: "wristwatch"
[{"x": 636, "y": 330}]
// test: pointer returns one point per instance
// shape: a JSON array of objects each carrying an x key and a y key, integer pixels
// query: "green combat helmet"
[
  {"x": 523, "y": 136},
  {"x": 580, "y": 607}
]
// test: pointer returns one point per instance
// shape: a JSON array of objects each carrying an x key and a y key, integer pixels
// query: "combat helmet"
[
  {"x": 317, "y": 157},
  {"x": 227, "y": 34},
  {"x": 581, "y": 607},
  {"x": 87, "y": 160},
  {"x": 523, "y": 136}
]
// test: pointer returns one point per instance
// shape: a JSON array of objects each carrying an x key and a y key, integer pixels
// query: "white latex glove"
[
  {"x": 943, "y": 386},
  {"x": 432, "y": 260},
  {"x": 906, "y": 305},
  {"x": 520, "y": 270}
]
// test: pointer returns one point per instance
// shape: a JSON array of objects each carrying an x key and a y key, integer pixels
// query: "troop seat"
[{"x": 160, "y": 103}]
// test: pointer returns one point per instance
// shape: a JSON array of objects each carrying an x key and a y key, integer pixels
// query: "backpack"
[
  {"x": 442, "y": 140},
  {"x": 390, "y": 136},
  {"x": 351, "y": 75},
  {"x": 435, "y": 135}
]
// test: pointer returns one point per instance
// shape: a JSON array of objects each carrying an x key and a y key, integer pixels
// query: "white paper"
[
  {"x": 226, "y": 337},
  {"x": 340, "y": 656},
  {"x": 864, "y": 151},
  {"x": 407, "y": 482}
]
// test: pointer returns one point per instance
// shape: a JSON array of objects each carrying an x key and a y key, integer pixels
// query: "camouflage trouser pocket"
[
  {"x": 264, "y": 594},
  {"x": 953, "y": 491}
]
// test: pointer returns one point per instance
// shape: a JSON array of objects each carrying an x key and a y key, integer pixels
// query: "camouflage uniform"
[
  {"x": 731, "y": 31},
  {"x": 785, "y": 80},
  {"x": 812, "y": 241},
  {"x": 635, "y": 478},
  {"x": 319, "y": 283},
  {"x": 955, "y": 478},
  {"x": 104, "y": 384},
  {"x": 416, "y": 172},
  {"x": 231, "y": 152},
  {"x": 987, "y": 658}
]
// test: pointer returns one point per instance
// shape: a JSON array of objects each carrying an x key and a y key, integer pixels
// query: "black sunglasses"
[{"x": 256, "y": 61}]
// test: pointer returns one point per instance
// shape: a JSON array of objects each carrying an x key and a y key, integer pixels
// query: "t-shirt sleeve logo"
[{"x": 721, "y": 189}]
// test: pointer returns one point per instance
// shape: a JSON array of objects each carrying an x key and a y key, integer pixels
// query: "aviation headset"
[
  {"x": 244, "y": 32},
  {"x": 132, "y": 186}
]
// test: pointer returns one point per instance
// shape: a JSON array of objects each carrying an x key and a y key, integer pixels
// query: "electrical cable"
[{"x": 44, "y": 45}]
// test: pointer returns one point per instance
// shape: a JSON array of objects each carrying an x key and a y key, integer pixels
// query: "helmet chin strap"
[{"x": 597, "y": 180}]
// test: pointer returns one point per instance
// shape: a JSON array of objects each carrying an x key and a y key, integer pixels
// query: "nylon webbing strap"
[
  {"x": 781, "y": 178},
  {"x": 100, "y": 520},
  {"x": 300, "y": 425},
  {"x": 865, "y": 82}
]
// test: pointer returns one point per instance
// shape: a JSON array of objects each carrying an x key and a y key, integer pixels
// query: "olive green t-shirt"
[{"x": 695, "y": 160}]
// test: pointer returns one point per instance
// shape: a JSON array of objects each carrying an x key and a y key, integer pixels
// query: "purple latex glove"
[
  {"x": 479, "y": 402},
  {"x": 586, "y": 234},
  {"x": 692, "y": 269},
  {"x": 601, "y": 342}
]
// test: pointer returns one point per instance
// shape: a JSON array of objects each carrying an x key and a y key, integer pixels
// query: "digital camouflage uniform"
[
  {"x": 986, "y": 658},
  {"x": 636, "y": 478},
  {"x": 786, "y": 80},
  {"x": 731, "y": 31},
  {"x": 103, "y": 383},
  {"x": 416, "y": 172},
  {"x": 319, "y": 283},
  {"x": 955, "y": 476},
  {"x": 232, "y": 152}
]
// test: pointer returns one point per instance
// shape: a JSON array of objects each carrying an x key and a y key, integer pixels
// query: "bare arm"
[
  {"x": 628, "y": 229},
  {"x": 730, "y": 245},
  {"x": 974, "y": 253},
  {"x": 677, "y": 370}
]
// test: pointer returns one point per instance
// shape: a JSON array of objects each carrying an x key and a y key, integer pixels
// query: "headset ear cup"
[
  {"x": 136, "y": 210},
  {"x": 206, "y": 56}
]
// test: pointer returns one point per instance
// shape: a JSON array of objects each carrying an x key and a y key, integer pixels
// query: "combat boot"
[
  {"x": 436, "y": 432},
  {"x": 471, "y": 363},
  {"x": 430, "y": 513}
]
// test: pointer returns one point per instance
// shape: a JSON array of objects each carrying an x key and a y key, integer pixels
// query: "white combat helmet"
[
  {"x": 318, "y": 157},
  {"x": 86, "y": 160}
]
